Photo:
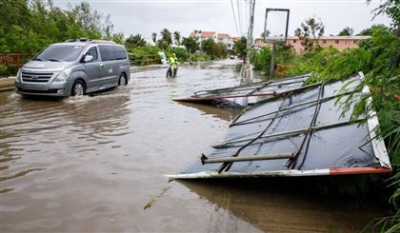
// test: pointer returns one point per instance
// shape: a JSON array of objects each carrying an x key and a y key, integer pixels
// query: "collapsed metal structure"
[
  {"x": 249, "y": 93},
  {"x": 301, "y": 132}
]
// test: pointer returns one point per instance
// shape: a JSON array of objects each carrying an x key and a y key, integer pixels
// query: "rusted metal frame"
[
  {"x": 205, "y": 159},
  {"x": 293, "y": 132},
  {"x": 292, "y": 162},
  {"x": 288, "y": 108},
  {"x": 226, "y": 166}
]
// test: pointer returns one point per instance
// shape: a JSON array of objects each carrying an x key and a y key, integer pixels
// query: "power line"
[
  {"x": 234, "y": 18},
  {"x": 240, "y": 18},
  {"x": 246, "y": 9}
]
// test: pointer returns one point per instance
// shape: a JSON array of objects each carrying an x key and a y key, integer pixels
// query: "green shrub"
[
  {"x": 199, "y": 57},
  {"x": 180, "y": 53},
  {"x": 3, "y": 70},
  {"x": 145, "y": 55}
]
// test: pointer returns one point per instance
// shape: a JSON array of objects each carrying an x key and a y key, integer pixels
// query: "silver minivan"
[{"x": 75, "y": 67}]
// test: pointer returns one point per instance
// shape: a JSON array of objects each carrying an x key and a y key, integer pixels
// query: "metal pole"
[
  {"x": 249, "y": 44},
  {"x": 272, "y": 67},
  {"x": 242, "y": 158}
]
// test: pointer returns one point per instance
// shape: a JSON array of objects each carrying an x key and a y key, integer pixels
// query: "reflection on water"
[
  {"x": 92, "y": 164},
  {"x": 285, "y": 205}
]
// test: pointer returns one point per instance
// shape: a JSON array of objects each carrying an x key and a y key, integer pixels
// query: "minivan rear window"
[
  {"x": 110, "y": 52},
  {"x": 60, "y": 53},
  {"x": 120, "y": 53}
]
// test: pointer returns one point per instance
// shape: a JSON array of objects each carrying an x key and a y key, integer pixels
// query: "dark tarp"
[{"x": 306, "y": 129}]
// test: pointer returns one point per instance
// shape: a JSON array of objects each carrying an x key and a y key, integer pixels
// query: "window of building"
[
  {"x": 336, "y": 41},
  {"x": 294, "y": 41},
  {"x": 355, "y": 41},
  {"x": 324, "y": 41}
]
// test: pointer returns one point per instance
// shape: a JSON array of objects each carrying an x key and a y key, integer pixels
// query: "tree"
[
  {"x": 377, "y": 27},
  {"x": 207, "y": 46},
  {"x": 392, "y": 9},
  {"x": 309, "y": 32},
  {"x": 190, "y": 44},
  {"x": 347, "y": 31},
  {"x": 166, "y": 39},
  {"x": 154, "y": 37},
  {"x": 240, "y": 47},
  {"x": 118, "y": 38},
  {"x": 266, "y": 34},
  {"x": 177, "y": 37},
  {"x": 135, "y": 41}
]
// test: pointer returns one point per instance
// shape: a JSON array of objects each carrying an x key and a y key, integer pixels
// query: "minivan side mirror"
[{"x": 88, "y": 58}]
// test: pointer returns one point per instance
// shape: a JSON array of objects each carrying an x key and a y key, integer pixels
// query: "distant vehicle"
[
  {"x": 74, "y": 67},
  {"x": 232, "y": 57}
]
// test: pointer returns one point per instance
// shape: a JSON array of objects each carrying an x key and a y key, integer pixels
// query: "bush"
[
  {"x": 180, "y": 53},
  {"x": 145, "y": 55},
  {"x": 3, "y": 70},
  {"x": 199, "y": 57}
]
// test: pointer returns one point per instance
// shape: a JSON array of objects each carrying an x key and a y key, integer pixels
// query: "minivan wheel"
[
  {"x": 78, "y": 89},
  {"x": 122, "y": 80}
]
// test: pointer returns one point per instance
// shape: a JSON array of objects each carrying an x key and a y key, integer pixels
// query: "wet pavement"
[{"x": 98, "y": 163}]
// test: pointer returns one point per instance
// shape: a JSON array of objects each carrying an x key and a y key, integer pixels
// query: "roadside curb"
[
  {"x": 134, "y": 69},
  {"x": 7, "y": 84}
]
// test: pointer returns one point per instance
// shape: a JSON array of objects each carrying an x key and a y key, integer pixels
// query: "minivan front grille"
[{"x": 36, "y": 77}]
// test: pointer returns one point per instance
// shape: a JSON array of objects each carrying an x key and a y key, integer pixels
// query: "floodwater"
[{"x": 98, "y": 164}]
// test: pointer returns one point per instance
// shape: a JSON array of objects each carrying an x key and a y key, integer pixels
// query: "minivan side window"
[
  {"x": 107, "y": 53},
  {"x": 93, "y": 52}
]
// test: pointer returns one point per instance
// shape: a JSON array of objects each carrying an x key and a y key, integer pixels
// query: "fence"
[{"x": 14, "y": 60}]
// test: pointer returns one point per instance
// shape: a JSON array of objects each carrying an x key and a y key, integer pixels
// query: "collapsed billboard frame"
[
  {"x": 251, "y": 92},
  {"x": 351, "y": 159}
]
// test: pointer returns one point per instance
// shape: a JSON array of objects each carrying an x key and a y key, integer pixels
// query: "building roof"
[
  {"x": 207, "y": 34},
  {"x": 222, "y": 36},
  {"x": 321, "y": 38}
]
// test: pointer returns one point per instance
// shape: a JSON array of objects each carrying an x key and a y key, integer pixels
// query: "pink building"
[
  {"x": 217, "y": 37},
  {"x": 339, "y": 42}
]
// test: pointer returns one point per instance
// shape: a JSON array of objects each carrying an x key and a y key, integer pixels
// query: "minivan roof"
[
  {"x": 85, "y": 40},
  {"x": 85, "y": 43}
]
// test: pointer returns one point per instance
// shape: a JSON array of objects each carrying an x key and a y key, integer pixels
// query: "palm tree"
[
  {"x": 347, "y": 31},
  {"x": 154, "y": 37},
  {"x": 166, "y": 37},
  {"x": 177, "y": 36}
]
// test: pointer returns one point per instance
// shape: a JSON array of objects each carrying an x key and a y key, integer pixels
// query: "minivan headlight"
[
  {"x": 63, "y": 76},
  {"x": 18, "y": 77}
]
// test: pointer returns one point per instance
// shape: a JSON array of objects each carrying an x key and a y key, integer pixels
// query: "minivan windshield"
[{"x": 60, "y": 53}]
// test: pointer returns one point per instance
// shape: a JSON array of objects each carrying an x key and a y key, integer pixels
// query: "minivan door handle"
[{"x": 101, "y": 65}]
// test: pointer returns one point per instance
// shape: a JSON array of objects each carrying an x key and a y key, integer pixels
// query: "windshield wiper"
[
  {"x": 37, "y": 59},
  {"x": 53, "y": 60}
]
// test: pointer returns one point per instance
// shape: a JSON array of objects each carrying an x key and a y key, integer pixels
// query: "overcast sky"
[{"x": 148, "y": 16}]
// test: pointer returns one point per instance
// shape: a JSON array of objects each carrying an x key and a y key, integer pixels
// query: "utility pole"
[{"x": 249, "y": 46}]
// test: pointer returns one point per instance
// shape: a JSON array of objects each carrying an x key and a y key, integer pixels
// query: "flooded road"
[{"x": 98, "y": 164}]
